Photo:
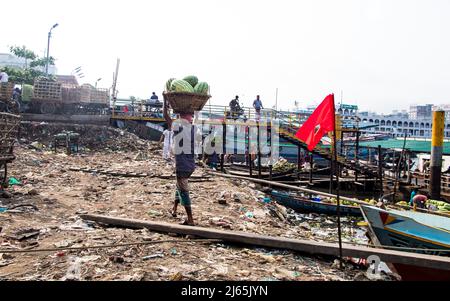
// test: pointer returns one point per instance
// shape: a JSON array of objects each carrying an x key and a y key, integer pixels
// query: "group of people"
[
  {"x": 236, "y": 109},
  {"x": 152, "y": 105}
]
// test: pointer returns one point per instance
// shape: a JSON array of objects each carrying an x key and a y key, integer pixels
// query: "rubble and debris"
[{"x": 61, "y": 194}]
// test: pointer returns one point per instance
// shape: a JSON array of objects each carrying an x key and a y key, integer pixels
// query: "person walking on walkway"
[{"x": 257, "y": 104}]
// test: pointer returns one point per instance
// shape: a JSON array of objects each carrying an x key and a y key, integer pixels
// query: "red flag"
[{"x": 318, "y": 124}]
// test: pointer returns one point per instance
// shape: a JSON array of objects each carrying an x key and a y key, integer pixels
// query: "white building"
[
  {"x": 420, "y": 111},
  {"x": 399, "y": 124},
  {"x": 9, "y": 60}
]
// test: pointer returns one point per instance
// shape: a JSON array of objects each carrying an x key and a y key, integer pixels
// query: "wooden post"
[
  {"x": 397, "y": 173},
  {"x": 247, "y": 146},
  {"x": 330, "y": 189},
  {"x": 270, "y": 157},
  {"x": 342, "y": 149},
  {"x": 311, "y": 162},
  {"x": 259, "y": 151},
  {"x": 380, "y": 169},
  {"x": 338, "y": 202},
  {"x": 224, "y": 141},
  {"x": 299, "y": 165},
  {"x": 408, "y": 169},
  {"x": 393, "y": 162},
  {"x": 356, "y": 155},
  {"x": 332, "y": 167},
  {"x": 250, "y": 154}
]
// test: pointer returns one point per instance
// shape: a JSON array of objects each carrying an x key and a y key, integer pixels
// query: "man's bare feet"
[{"x": 187, "y": 223}]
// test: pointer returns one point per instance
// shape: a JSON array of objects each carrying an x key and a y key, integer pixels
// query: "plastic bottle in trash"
[{"x": 316, "y": 199}]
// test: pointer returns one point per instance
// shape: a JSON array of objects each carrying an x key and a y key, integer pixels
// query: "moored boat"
[
  {"x": 285, "y": 175},
  {"x": 303, "y": 204},
  {"x": 411, "y": 231}
]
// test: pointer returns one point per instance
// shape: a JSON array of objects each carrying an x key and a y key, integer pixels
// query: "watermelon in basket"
[{"x": 183, "y": 97}]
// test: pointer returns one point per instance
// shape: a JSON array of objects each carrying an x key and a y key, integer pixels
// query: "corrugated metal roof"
[{"x": 418, "y": 146}]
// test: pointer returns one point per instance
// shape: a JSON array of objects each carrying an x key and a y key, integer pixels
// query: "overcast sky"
[{"x": 383, "y": 55}]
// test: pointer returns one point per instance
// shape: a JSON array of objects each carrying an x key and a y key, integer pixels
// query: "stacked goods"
[
  {"x": 349, "y": 203},
  {"x": 402, "y": 203},
  {"x": 186, "y": 95},
  {"x": 439, "y": 205},
  {"x": 9, "y": 129},
  {"x": 6, "y": 90},
  {"x": 342, "y": 202},
  {"x": 46, "y": 89},
  {"x": 99, "y": 95},
  {"x": 70, "y": 94},
  {"x": 283, "y": 165}
]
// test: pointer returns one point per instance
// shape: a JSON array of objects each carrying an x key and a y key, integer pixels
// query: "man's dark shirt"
[{"x": 185, "y": 163}]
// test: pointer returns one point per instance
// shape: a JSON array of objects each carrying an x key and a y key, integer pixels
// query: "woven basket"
[
  {"x": 185, "y": 102},
  {"x": 9, "y": 129}
]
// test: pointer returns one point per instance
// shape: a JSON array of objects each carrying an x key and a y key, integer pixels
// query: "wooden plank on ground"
[{"x": 306, "y": 246}]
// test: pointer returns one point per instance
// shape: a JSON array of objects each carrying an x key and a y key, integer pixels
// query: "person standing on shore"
[{"x": 184, "y": 161}]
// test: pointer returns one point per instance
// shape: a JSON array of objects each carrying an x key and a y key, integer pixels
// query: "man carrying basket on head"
[{"x": 184, "y": 160}]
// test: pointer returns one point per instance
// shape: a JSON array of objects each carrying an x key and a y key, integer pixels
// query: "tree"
[
  {"x": 30, "y": 72},
  {"x": 23, "y": 52},
  {"x": 41, "y": 62}
]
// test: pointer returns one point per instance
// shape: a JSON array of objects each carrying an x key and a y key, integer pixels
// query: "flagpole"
[{"x": 338, "y": 202}]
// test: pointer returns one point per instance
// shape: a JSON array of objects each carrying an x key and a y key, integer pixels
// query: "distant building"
[
  {"x": 399, "y": 124},
  {"x": 420, "y": 111},
  {"x": 12, "y": 61}
]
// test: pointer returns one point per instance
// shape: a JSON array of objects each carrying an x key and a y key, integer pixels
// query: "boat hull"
[
  {"x": 411, "y": 232},
  {"x": 415, "y": 273},
  {"x": 288, "y": 175},
  {"x": 307, "y": 206}
]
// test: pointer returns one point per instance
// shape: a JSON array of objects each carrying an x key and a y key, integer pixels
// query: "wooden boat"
[
  {"x": 413, "y": 232},
  {"x": 264, "y": 175},
  {"x": 244, "y": 167},
  {"x": 302, "y": 204}
]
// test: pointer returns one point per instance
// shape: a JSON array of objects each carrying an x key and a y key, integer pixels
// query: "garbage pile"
[
  {"x": 282, "y": 165},
  {"x": 46, "y": 198},
  {"x": 91, "y": 137}
]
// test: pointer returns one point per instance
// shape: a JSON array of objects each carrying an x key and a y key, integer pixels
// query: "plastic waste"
[
  {"x": 74, "y": 269},
  {"x": 159, "y": 255},
  {"x": 14, "y": 181},
  {"x": 3, "y": 209},
  {"x": 266, "y": 200},
  {"x": 249, "y": 214},
  {"x": 176, "y": 277},
  {"x": 154, "y": 213}
]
